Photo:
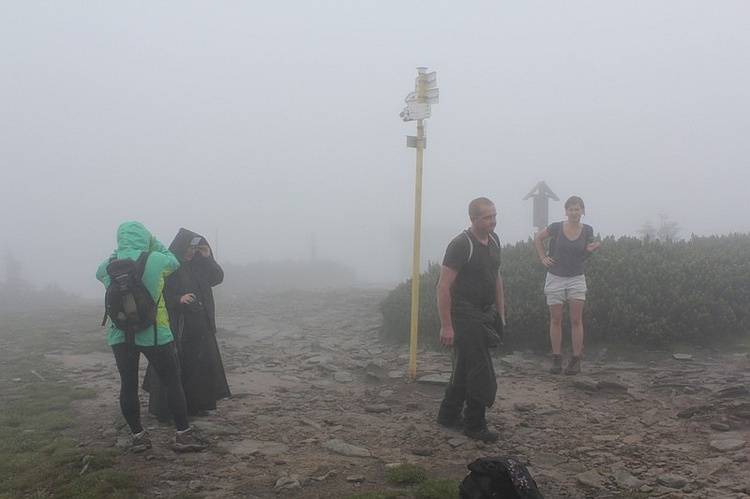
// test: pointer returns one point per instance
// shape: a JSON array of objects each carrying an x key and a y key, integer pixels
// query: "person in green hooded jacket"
[{"x": 157, "y": 346}]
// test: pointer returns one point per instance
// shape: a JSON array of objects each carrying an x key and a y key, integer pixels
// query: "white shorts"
[{"x": 561, "y": 289}]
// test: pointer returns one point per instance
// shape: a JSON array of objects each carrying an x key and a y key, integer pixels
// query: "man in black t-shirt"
[{"x": 472, "y": 316}]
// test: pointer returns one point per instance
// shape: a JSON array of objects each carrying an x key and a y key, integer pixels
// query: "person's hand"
[
  {"x": 548, "y": 261},
  {"x": 204, "y": 250},
  {"x": 187, "y": 298},
  {"x": 447, "y": 336},
  {"x": 593, "y": 246}
]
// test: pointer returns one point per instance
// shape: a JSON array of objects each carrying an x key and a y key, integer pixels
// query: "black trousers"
[
  {"x": 164, "y": 361},
  {"x": 456, "y": 400}
]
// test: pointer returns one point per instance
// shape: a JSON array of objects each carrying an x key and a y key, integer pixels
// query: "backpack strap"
[
  {"x": 471, "y": 245},
  {"x": 141, "y": 263},
  {"x": 141, "y": 266},
  {"x": 494, "y": 237},
  {"x": 104, "y": 319}
]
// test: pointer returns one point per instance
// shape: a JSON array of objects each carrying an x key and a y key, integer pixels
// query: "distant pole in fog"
[
  {"x": 418, "y": 109},
  {"x": 541, "y": 195}
]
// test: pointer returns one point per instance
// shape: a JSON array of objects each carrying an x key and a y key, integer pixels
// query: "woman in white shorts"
[{"x": 571, "y": 242}]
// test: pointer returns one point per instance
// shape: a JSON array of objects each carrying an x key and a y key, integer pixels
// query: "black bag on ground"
[
  {"x": 498, "y": 477},
  {"x": 127, "y": 302}
]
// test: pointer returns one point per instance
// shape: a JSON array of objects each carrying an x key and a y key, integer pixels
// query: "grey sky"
[{"x": 265, "y": 122}]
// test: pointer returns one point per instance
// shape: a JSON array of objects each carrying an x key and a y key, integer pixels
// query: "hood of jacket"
[
  {"x": 132, "y": 239},
  {"x": 181, "y": 242}
]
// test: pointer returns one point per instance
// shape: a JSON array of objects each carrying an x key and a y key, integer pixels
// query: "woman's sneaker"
[
  {"x": 574, "y": 367},
  {"x": 141, "y": 442},
  {"x": 189, "y": 441},
  {"x": 556, "y": 364}
]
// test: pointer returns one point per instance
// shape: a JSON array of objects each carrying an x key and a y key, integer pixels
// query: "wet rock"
[
  {"x": 435, "y": 379},
  {"x": 692, "y": 411},
  {"x": 682, "y": 356},
  {"x": 709, "y": 467},
  {"x": 343, "y": 377},
  {"x": 672, "y": 480},
  {"x": 258, "y": 447},
  {"x": 735, "y": 391},
  {"x": 377, "y": 408},
  {"x": 457, "y": 441},
  {"x": 591, "y": 478},
  {"x": 611, "y": 386},
  {"x": 528, "y": 407},
  {"x": 585, "y": 384},
  {"x": 727, "y": 445},
  {"x": 287, "y": 483},
  {"x": 626, "y": 481}
]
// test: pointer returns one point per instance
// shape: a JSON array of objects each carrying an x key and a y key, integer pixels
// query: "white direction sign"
[
  {"x": 416, "y": 111},
  {"x": 430, "y": 80},
  {"x": 431, "y": 96}
]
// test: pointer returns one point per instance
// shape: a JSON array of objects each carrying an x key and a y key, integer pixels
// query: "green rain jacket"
[{"x": 132, "y": 239}]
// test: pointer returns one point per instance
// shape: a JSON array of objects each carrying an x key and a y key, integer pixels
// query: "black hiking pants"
[{"x": 164, "y": 361}]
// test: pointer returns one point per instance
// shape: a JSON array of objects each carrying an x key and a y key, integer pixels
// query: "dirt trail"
[{"x": 320, "y": 406}]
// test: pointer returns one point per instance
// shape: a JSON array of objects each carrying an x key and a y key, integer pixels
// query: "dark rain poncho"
[{"x": 194, "y": 327}]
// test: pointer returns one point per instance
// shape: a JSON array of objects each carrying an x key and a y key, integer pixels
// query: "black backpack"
[
  {"x": 498, "y": 477},
  {"x": 127, "y": 302}
]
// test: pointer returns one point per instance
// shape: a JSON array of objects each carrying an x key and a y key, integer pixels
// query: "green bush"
[
  {"x": 396, "y": 310},
  {"x": 642, "y": 293}
]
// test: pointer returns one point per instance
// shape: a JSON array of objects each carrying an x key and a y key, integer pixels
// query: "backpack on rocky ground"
[
  {"x": 127, "y": 302},
  {"x": 498, "y": 477}
]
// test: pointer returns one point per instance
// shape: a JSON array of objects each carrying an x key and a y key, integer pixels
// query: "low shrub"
[{"x": 647, "y": 293}]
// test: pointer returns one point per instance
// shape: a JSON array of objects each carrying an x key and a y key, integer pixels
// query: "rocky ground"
[{"x": 320, "y": 406}]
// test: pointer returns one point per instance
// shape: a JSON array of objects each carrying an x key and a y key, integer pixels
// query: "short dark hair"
[
  {"x": 475, "y": 207},
  {"x": 575, "y": 200}
]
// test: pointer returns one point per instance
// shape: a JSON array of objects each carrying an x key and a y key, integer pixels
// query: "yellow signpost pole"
[
  {"x": 417, "y": 232},
  {"x": 418, "y": 109}
]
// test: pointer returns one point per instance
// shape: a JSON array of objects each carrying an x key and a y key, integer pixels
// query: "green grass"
[
  {"x": 407, "y": 474},
  {"x": 35, "y": 460},
  {"x": 438, "y": 489}
]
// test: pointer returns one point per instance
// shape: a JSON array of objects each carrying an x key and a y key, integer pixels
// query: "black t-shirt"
[{"x": 477, "y": 266}]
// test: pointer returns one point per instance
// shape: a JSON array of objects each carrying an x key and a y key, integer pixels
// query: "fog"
[{"x": 272, "y": 127}]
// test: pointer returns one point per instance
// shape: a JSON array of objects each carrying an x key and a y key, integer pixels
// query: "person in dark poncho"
[{"x": 192, "y": 316}]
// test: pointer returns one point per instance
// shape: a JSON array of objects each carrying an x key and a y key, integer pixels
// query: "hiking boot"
[
  {"x": 454, "y": 423},
  {"x": 189, "y": 441},
  {"x": 482, "y": 433},
  {"x": 556, "y": 364},
  {"x": 141, "y": 442},
  {"x": 574, "y": 367}
]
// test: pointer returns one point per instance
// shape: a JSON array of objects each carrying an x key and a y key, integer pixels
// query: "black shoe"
[
  {"x": 454, "y": 423},
  {"x": 483, "y": 434}
]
